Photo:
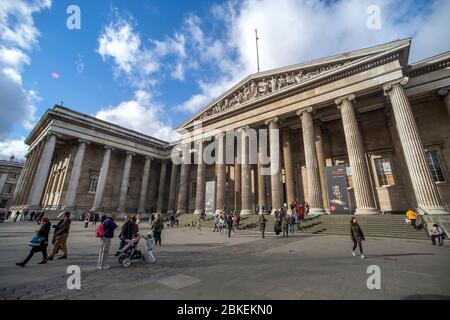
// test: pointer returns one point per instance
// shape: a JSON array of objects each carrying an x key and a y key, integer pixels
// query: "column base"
[
  {"x": 246, "y": 212},
  {"x": 366, "y": 211},
  {"x": 217, "y": 212},
  {"x": 432, "y": 210},
  {"x": 170, "y": 211},
  {"x": 198, "y": 211},
  {"x": 159, "y": 211},
  {"x": 273, "y": 211},
  {"x": 120, "y": 210},
  {"x": 317, "y": 211},
  {"x": 182, "y": 211}
]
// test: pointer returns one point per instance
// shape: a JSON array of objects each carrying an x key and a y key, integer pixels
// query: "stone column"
[
  {"x": 246, "y": 192},
  {"x": 173, "y": 189},
  {"x": 221, "y": 174},
  {"x": 321, "y": 163},
  {"x": 22, "y": 178},
  {"x": 144, "y": 184},
  {"x": 125, "y": 182},
  {"x": 288, "y": 170},
  {"x": 312, "y": 169},
  {"x": 365, "y": 203},
  {"x": 445, "y": 92},
  {"x": 425, "y": 189},
  {"x": 102, "y": 179},
  {"x": 237, "y": 184},
  {"x": 42, "y": 172},
  {"x": 29, "y": 174},
  {"x": 275, "y": 185},
  {"x": 162, "y": 184},
  {"x": 201, "y": 179},
  {"x": 183, "y": 193},
  {"x": 75, "y": 175},
  {"x": 261, "y": 185}
]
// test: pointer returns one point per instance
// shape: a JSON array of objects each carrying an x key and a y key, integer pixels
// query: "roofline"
[
  {"x": 354, "y": 53},
  {"x": 56, "y": 108}
]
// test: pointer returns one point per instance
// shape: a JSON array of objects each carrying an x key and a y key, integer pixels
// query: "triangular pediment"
[{"x": 258, "y": 86}]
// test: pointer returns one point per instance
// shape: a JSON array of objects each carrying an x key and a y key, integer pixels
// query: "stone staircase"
[{"x": 385, "y": 226}]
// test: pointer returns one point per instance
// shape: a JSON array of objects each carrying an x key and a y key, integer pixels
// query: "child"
[
  {"x": 149, "y": 243},
  {"x": 134, "y": 240}
]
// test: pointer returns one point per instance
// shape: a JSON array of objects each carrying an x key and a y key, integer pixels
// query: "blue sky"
[{"x": 150, "y": 65}]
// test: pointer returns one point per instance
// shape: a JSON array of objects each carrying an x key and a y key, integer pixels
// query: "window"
[
  {"x": 93, "y": 184},
  {"x": 3, "y": 203},
  {"x": 384, "y": 171},
  {"x": 194, "y": 190},
  {"x": 435, "y": 166},
  {"x": 8, "y": 188}
]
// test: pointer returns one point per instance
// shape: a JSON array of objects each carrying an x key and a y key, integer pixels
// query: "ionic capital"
[
  {"x": 350, "y": 97},
  {"x": 80, "y": 141},
  {"x": 148, "y": 158},
  {"x": 268, "y": 121},
  {"x": 307, "y": 109},
  {"x": 387, "y": 87},
  {"x": 444, "y": 91},
  {"x": 130, "y": 153},
  {"x": 109, "y": 148},
  {"x": 52, "y": 133}
]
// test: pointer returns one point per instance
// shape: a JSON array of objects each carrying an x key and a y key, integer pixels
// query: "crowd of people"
[
  {"x": 286, "y": 221},
  {"x": 129, "y": 235}
]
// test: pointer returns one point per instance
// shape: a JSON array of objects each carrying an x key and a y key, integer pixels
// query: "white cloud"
[
  {"x": 18, "y": 35},
  {"x": 141, "y": 114},
  {"x": 14, "y": 147},
  {"x": 118, "y": 41},
  {"x": 294, "y": 31}
]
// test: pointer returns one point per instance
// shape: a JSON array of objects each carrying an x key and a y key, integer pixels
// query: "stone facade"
[
  {"x": 386, "y": 120},
  {"x": 10, "y": 171}
]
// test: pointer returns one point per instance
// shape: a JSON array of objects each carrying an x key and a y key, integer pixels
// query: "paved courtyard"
[{"x": 194, "y": 264}]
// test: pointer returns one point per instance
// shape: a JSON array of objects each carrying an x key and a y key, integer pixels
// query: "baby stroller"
[{"x": 131, "y": 252}]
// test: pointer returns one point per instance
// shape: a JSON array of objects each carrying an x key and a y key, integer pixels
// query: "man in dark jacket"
[
  {"x": 357, "y": 236},
  {"x": 126, "y": 233},
  {"x": 157, "y": 227},
  {"x": 262, "y": 224},
  {"x": 61, "y": 237},
  {"x": 229, "y": 224},
  {"x": 42, "y": 247},
  {"x": 109, "y": 226}
]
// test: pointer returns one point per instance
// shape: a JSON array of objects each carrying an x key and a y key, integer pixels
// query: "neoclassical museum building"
[{"x": 369, "y": 111}]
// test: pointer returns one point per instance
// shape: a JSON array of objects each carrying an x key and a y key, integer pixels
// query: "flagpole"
[{"x": 257, "y": 53}]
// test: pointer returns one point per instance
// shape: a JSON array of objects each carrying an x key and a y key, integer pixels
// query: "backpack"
[{"x": 100, "y": 232}]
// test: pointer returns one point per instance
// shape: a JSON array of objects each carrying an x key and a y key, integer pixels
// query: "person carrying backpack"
[{"x": 105, "y": 232}]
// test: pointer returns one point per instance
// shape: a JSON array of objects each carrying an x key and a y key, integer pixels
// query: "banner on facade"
[{"x": 337, "y": 190}]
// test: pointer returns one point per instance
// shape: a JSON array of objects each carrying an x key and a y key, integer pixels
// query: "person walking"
[
  {"x": 437, "y": 233},
  {"x": 87, "y": 217},
  {"x": 41, "y": 216},
  {"x": 262, "y": 224},
  {"x": 216, "y": 223},
  {"x": 157, "y": 228},
  {"x": 277, "y": 224},
  {"x": 229, "y": 224},
  {"x": 32, "y": 215},
  {"x": 357, "y": 237},
  {"x": 106, "y": 233},
  {"x": 41, "y": 246},
  {"x": 291, "y": 223},
  {"x": 61, "y": 237},
  {"x": 95, "y": 218},
  {"x": 16, "y": 216},
  {"x": 412, "y": 217},
  {"x": 285, "y": 226}
]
